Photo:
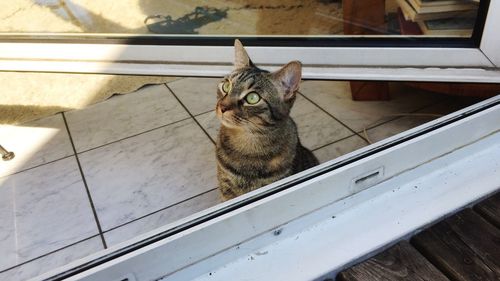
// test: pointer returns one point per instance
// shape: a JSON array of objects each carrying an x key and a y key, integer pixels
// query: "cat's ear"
[
  {"x": 289, "y": 77},
  {"x": 241, "y": 58}
]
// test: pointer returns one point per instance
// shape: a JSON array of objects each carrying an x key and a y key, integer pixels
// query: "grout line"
[
  {"x": 339, "y": 140},
  {"x": 86, "y": 185},
  {"x": 39, "y": 165},
  {"x": 190, "y": 114},
  {"x": 159, "y": 210},
  {"x": 147, "y": 131},
  {"x": 199, "y": 114},
  {"x": 399, "y": 117},
  {"x": 328, "y": 113},
  {"x": 48, "y": 253},
  {"x": 177, "y": 78},
  {"x": 115, "y": 141},
  {"x": 131, "y": 136}
]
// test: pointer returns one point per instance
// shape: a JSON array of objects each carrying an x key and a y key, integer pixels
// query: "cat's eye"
[
  {"x": 226, "y": 86},
  {"x": 252, "y": 98}
]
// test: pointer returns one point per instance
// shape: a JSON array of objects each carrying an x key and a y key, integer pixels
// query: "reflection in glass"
[{"x": 252, "y": 17}]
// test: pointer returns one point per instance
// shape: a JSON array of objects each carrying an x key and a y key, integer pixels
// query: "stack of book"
[{"x": 441, "y": 17}]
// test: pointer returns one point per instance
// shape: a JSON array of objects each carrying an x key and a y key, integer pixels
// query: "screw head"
[{"x": 8, "y": 156}]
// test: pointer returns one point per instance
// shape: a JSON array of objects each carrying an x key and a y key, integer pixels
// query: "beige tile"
[
  {"x": 394, "y": 127},
  {"x": 162, "y": 218},
  {"x": 42, "y": 210},
  {"x": 210, "y": 123},
  {"x": 54, "y": 260},
  {"x": 123, "y": 116},
  {"x": 335, "y": 97},
  {"x": 34, "y": 143},
  {"x": 139, "y": 175},
  {"x": 449, "y": 105},
  {"x": 411, "y": 120},
  {"x": 316, "y": 128},
  {"x": 339, "y": 148},
  {"x": 199, "y": 95}
]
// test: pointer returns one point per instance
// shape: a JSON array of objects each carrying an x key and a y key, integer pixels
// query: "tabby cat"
[{"x": 258, "y": 141}]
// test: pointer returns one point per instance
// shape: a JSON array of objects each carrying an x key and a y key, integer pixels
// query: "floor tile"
[
  {"x": 34, "y": 143},
  {"x": 449, "y": 105},
  {"x": 210, "y": 123},
  {"x": 162, "y": 218},
  {"x": 123, "y": 116},
  {"x": 139, "y": 175},
  {"x": 54, "y": 260},
  {"x": 415, "y": 119},
  {"x": 199, "y": 95},
  {"x": 316, "y": 128},
  {"x": 394, "y": 127},
  {"x": 42, "y": 210},
  {"x": 339, "y": 148},
  {"x": 335, "y": 97}
]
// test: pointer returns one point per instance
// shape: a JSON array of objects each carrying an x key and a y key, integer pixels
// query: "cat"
[{"x": 258, "y": 141}]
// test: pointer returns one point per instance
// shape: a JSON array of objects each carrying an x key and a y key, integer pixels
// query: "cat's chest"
[
  {"x": 257, "y": 162},
  {"x": 260, "y": 155}
]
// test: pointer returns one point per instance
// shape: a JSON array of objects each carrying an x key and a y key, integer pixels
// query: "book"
[
  {"x": 450, "y": 26},
  {"x": 420, "y": 7},
  {"x": 443, "y": 2},
  {"x": 412, "y": 15}
]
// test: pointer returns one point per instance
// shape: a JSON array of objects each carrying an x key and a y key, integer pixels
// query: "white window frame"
[
  {"x": 342, "y": 63},
  {"x": 421, "y": 175}
]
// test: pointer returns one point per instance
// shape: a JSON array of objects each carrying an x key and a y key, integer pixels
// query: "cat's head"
[{"x": 251, "y": 98}]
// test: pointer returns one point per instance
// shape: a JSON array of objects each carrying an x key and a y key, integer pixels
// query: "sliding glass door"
[
  {"x": 102, "y": 159},
  {"x": 333, "y": 39}
]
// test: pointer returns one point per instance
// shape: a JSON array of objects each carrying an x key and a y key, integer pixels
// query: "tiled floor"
[{"x": 88, "y": 179}]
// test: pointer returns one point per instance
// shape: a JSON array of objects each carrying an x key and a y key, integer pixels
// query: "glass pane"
[
  {"x": 112, "y": 167},
  {"x": 243, "y": 18}
]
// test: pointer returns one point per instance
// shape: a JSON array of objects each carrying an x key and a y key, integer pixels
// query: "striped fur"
[{"x": 258, "y": 143}]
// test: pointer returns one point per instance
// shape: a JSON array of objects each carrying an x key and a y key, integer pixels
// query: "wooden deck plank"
[
  {"x": 449, "y": 253},
  {"x": 490, "y": 209},
  {"x": 482, "y": 237},
  {"x": 465, "y": 246},
  {"x": 400, "y": 262}
]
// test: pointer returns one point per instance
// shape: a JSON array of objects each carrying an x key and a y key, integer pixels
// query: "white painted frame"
[
  {"x": 343, "y": 63},
  {"x": 227, "y": 240},
  {"x": 490, "y": 43}
]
